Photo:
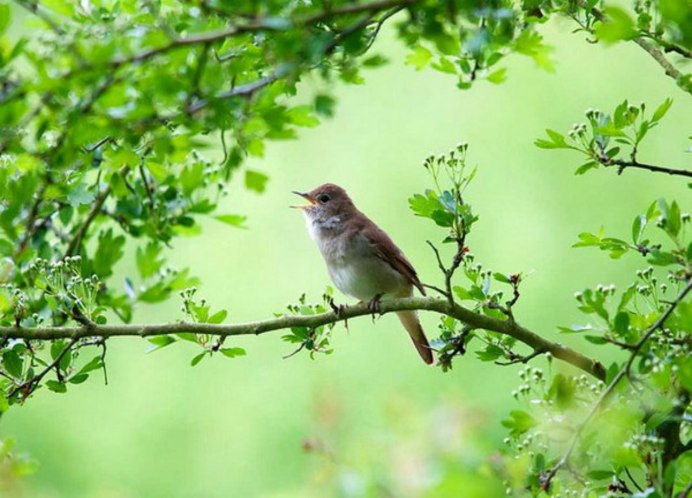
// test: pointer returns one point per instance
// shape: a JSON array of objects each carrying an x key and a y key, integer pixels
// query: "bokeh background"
[{"x": 370, "y": 419}]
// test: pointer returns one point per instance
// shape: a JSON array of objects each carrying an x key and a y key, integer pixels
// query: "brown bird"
[{"x": 361, "y": 258}]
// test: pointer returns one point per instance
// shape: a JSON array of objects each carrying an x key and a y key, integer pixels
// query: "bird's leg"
[
  {"x": 374, "y": 305},
  {"x": 338, "y": 310}
]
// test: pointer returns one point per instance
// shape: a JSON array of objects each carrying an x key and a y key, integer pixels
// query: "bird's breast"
[{"x": 355, "y": 268}]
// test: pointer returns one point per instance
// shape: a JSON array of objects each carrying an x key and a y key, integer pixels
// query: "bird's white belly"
[
  {"x": 354, "y": 267},
  {"x": 365, "y": 278}
]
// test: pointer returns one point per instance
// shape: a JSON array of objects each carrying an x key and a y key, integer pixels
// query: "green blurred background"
[{"x": 371, "y": 412}]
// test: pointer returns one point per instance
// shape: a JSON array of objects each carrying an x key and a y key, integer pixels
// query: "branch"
[
  {"x": 658, "y": 56},
  {"x": 76, "y": 241},
  {"x": 652, "y": 50},
  {"x": 245, "y": 90},
  {"x": 31, "y": 384},
  {"x": 514, "y": 358},
  {"x": 36, "y": 9},
  {"x": 605, "y": 395},
  {"x": 623, "y": 164},
  {"x": 442, "y": 306},
  {"x": 255, "y": 26}
]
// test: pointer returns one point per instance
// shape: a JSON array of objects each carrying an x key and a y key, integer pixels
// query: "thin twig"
[
  {"x": 76, "y": 241},
  {"x": 35, "y": 8},
  {"x": 520, "y": 359},
  {"x": 624, "y": 164},
  {"x": 29, "y": 386}
]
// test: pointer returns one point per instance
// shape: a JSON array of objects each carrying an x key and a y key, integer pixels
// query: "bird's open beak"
[{"x": 307, "y": 198}]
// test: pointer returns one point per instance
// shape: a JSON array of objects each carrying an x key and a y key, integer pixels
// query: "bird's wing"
[{"x": 386, "y": 249}]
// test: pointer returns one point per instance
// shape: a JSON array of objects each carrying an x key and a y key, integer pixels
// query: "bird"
[{"x": 362, "y": 260}]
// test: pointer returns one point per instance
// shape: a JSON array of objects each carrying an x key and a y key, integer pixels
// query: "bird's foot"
[
  {"x": 374, "y": 306},
  {"x": 338, "y": 310}
]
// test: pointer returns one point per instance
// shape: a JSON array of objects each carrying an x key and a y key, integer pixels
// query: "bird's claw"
[
  {"x": 338, "y": 310},
  {"x": 374, "y": 306}
]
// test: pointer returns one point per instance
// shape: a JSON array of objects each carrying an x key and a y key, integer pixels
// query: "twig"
[
  {"x": 31, "y": 384},
  {"x": 436, "y": 289},
  {"x": 76, "y": 241},
  {"x": 652, "y": 50},
  {"x": 686, "y": 492},
  {"x": 520, "y": 359},
  {"x": 245, "y": 90},
  {"x": 449, "y": 272},
  {"x": 290, "y": 355},
  {"x": 624, "y": 164},
  {"x": 34, "y": 7}
]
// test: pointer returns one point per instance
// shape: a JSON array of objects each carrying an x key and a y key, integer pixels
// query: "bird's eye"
[{"x": 323, "y": 198}]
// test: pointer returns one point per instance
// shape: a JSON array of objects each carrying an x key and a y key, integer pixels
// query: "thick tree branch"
[{"x": 475, "y": 320}]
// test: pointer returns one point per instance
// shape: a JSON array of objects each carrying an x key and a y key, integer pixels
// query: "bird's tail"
[{"x": 412, "y": 325}]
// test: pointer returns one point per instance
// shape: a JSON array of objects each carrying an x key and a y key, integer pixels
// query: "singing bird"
[{"x": 362, "y": 260}]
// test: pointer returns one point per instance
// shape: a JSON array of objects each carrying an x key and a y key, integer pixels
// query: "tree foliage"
[{"x": 108, "y": 112}]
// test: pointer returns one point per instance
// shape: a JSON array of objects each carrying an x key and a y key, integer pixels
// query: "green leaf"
[
  {"x": 376, "y": 60},
  {"x": 198, "y": 358},
  {"x": 490, "y": 353},
  {"x": 673, "y": 220},
  {"x": 587, "y": 239},
  {"x": 685, "y": 373},
  {"x": 235, "y": 220},
  {"x": 78, "y": 378},
  {"x": 218, "y": 317},
  {"x": 662, "y": 110},
  {"x": 233, "y": 352},
  {"x": 302, "y": 116},
  {"x": 621, "y": 322},
  {"x": 13, "y": 363},
  {"x": 425, "y": 205},
  {"x": 662, "y": 258},
  {"x": 148, "y": 261},
  {"x": 599, "y": 475},
  {"x": 519, "y": 422},
  {"x": 617, "y": 26},
  {"x": 80, "y": 195},
  {"x": 557, "y": 141},
  {"x": 159, "y": 341},
  {"x": 324, "y": 105},
  {"x": 192, "y": 177},
  {"x": 108, "y": 252},
  {"x": 574, "y": 329},
  {"x": 419, "y": 58},
  {"x": 444, "y": 65},
  {"x": 94, "y": 364},
  {"x": 562, "y": 391},
  {"x": 56, "y": 387},
  {"x": 501, "y": 277},
  {"x": 638, "y": 228},
  {"x": 498, "y": 76},
  {"x": 5, "y": 17},
  {"x": 586, "y": 167},
  {"x": 256, "y": 181}
]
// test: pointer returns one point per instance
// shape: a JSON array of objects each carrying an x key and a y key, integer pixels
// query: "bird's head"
[{"x": 327, "y": 202}]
